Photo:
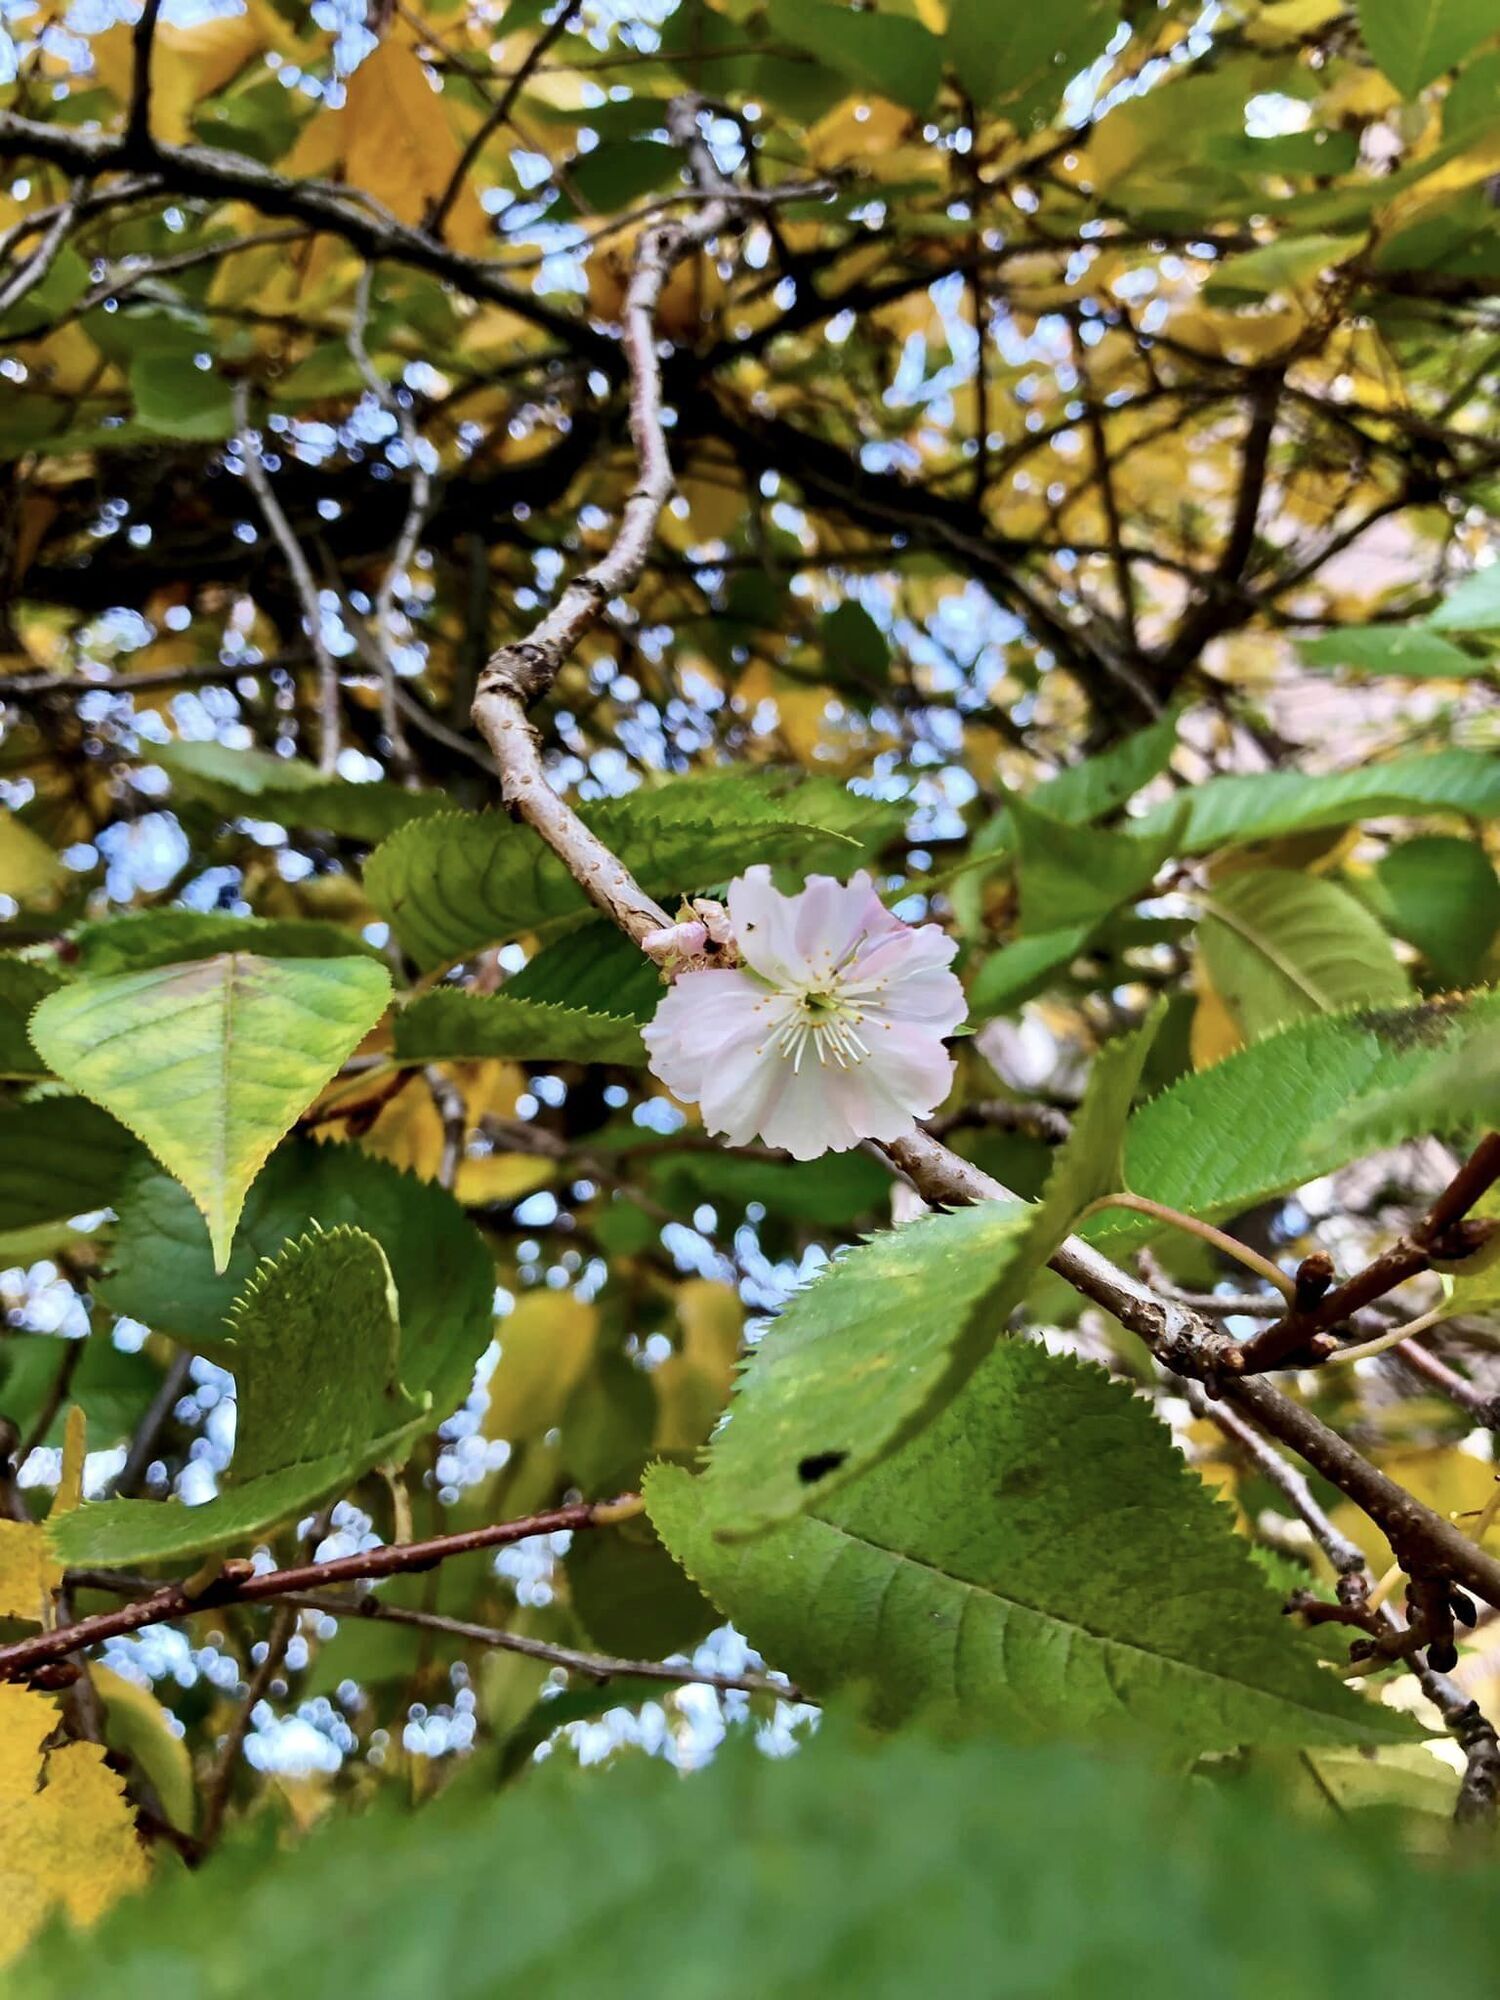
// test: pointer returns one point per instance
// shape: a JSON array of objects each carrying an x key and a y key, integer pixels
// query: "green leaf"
[
  {"x": 210, "y": 1062},
  {"x": 111, "y": 1387},
  {"x": 1291, "y": 264},
  {"x": 1443, "y": 896},
  {"x": 1228, "y": 812},
  {"x": 830, "y": 1192},
  {"x": 1076, "y": 875},
  {"x": 853, "y": 645},
  {"x": 464, "y": 881},
  {"x": 1040, "y": 1560},
  {"x": 595, "y": 967},
  {"x": 178, "y": 399},
  {"x": 1456, "y": 1097},
  {"x": 1473, "y": 607},
  {"x": 316, "y": 1355},
  {"x": 1264, "y": 1120},
  {"x": 1002, "y": 54},
  {"x": 855, "y": 1870},
  {"x": 894, "y": 57},
  {"x": 1409, "y": 650},
  {"x": 1414, "y": 41},
  {"x": 891, "y": 1330},
  {"x": 29, "y": 869},
  {"x": 632, "y": 1599},
  {"x": 22, "y": 985},
  {"x": 1279, "y": 945},
  {"x": 450, "y": 1026},
  {"x": 252, "y": 784},
  {"x": 145, "y": 938},
  {"x": 164, "y": 1272},
  {"x": 1101, "y": 784},
  {"x": 59, "y": 1156},
  {"x": 1009, "y": 976}
]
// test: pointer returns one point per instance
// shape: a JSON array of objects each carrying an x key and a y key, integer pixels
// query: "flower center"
[{"x": 825, "y": 1020}]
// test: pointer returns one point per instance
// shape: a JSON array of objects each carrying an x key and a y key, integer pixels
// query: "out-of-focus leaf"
[
  {"x": 1409, "y": 650},
  {"x": 210, "y": 1062},
  {"x": 886, "y": 53},
  {"x": 980, "y": 1577},
  {"x": 1009, "y": 976},
  {"x": 546, "y": 1343},
  {"x": 29, "y": 869},
  {"x": 1076, "y": 875},
  {"x": 1279, "y": 945},
  {"x": 60, "y": 1157},
  {"x": 1442, "y": 894},
  {"x": 1232, "y": 811},
  {"x": 252, "y": 784},
  {"x": 146, "y": 938},
  {"x": 177, "y": 399},
  {"x": 852, "y": 1869},
  {"x": 1473, "y": 607},
  {"x": 1414, "y": 41},
  {"x": 137, "y": 1726},
  {"x": 22, "y": 985}
]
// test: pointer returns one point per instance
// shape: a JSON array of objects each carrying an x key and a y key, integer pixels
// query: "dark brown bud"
[{"x": 1314, "y": 1275}]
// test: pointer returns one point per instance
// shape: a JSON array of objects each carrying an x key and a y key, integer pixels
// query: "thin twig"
[
  {"x": 143, "y": 1444},
  {"x": 56, "y": 1396},
  {"x": 40, "y": 262},
  {"x": 221, "y": 1782},
  {"x": 499, "y": 112},
  {"x": 329, "y": 718},
  {"x": 591, "y": 1666},
  {"x": 419, "y": 506}
]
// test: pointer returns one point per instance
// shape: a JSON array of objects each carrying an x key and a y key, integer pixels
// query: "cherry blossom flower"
[{"x": 829, "y": 1031}]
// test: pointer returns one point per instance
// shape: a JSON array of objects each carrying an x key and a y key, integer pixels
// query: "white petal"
[{"x": 698, "y": 1017}]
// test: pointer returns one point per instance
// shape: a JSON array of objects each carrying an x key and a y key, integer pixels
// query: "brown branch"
[
  {"x": 1442, "y": 1229},
  {"x": 238, "y": 1583},
  {"x": 138, "y": 143},
  {"x": 216, "y": 176},
  {"x": 40, "y": 262}
]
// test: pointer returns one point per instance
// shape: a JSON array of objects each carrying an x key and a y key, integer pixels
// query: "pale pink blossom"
[{"x": 829, "y": 1031}]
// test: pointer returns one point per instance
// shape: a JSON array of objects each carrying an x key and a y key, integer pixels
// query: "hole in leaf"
[{"x": 818, "y": 1464}]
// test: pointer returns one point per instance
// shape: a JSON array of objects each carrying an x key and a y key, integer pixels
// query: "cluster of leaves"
[{"x": 1081, "y": 470}]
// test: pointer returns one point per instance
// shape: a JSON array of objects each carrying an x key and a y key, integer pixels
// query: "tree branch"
[{"x": 240, "y": 1583}]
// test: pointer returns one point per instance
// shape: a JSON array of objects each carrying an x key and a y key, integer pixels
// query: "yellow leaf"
[
  {"x": 188, "y": 65},
  {"x": 136, "y": 1724},
  {"x": 545, "y": 1346},
  {"x": 29, "y": 870},
  {"x": 1450, "y": 1481},
  {"x": 28, "y": 1575},
  {"x": 399, "y": 146},
  {"x": 70, "y": 1840},
  {"x": 1214, "y": 1033},
  {"x": 692, "y": 1386},
  {"x": 501, "y": 1177}
]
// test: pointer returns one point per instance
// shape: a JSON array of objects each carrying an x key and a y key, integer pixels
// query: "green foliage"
[
  {"x": 22, "y": 985},
  {"x": 315, "y": 1347},
  {"x": 889, "y": 1334},
  {"x": 850, "y": 1869},
  {"x": 1003, "y": 1569},
  {"x": 147, "y": 938},
  {"x": 210, "y": 1062},
  {"x": 59, "y": 1157},
  {"x": 249, "y": 784},
  {"x": 1408, "y": 650},
  {"x": 1076, "y": 874},
  {"x": 164, "y": 1270},
  {"x": 1443, "y": 896},
  {"x": 451, "y": 887},
  {"x": 1416, "y": 40},
  {"x": 1268, "y": 1118},
  {"x": 1229, "y": 812},
  {"x": 1279, "y": 945},
  {"x": 454, "y": 1026}
]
